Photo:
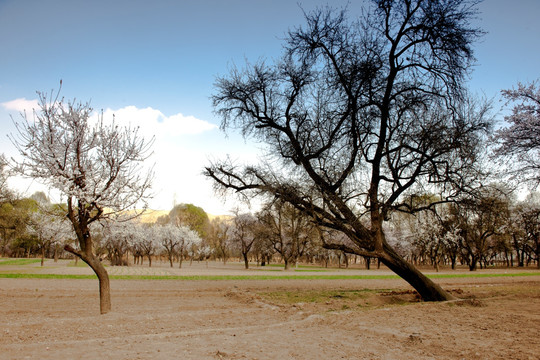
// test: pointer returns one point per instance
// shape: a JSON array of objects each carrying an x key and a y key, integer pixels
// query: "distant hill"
[{"x": 150, "y": 216}]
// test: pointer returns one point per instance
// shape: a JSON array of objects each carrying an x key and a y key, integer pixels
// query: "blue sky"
[{"x": 155, "y": 62}]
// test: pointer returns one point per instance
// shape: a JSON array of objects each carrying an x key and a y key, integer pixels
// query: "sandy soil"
[{"x": 252, "y": 319}]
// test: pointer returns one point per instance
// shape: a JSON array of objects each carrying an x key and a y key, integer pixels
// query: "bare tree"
[
  {"x": 243, "y": 235},
  {"x": 359, "y": 115},
  {"x": 521, "y": 139},
  {"x": 479, "y": 219},
  {"x": 96, "y": 166},
  {"x": 526, "y": 235},
  {"x": 220, "y": 238},
  {"x": 288, "y": 229}
]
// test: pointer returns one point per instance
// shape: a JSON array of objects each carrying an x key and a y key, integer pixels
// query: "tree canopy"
[{"x": 520, "y": 140}]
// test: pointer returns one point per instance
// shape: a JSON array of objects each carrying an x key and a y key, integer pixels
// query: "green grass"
[
  {"x": 19, "y": 261},
  {"x": 315, "y": 296},
  {"x": 44, "y": 276},
  {"x": 296, "y": 268},
  {"x": 13, "y": 275},
  {"x": 77, "y": 264},
  {"x": 481, "y": 275}
]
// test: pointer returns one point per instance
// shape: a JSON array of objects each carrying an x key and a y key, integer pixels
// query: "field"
[{"x": 212, "y": 311}]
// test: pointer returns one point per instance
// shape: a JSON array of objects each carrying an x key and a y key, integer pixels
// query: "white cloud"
[
  {"x": 21, "y": 105},
  {"x": 178, "y": 156},
  {"x": 180, "y": 124},
  {"x": 182, "y": 147},
  {"x": 152, "y": 121}
]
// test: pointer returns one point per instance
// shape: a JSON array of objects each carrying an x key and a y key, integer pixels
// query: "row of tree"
[{"x": 492, "y": 230}]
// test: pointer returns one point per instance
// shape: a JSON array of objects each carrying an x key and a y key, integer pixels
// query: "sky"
[{"x": 153, "y": 64}]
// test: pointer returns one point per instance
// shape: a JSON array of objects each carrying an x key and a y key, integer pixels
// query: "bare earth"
[{"x": 245, "y": 319}]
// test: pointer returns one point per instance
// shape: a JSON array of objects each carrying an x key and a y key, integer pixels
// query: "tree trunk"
[
  {"x": 473, "y": 263},
  {"x": 367, "y": 260},
  {"x": 103, "y": 278},
  {"x": 104, "y": 285},
  {"x": 42, "y": 255},
  {"x": 428, "y": 290},
  {"x": 246, "y": 261}
]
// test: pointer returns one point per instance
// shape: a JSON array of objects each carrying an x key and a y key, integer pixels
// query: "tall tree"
[
  {"x": 96, "y": 166},
  {"x": 520, "y": 140},
  {"x": 192, "y": 216},
  {"x": 14, "y": 218},
  {"x": 360, "y": 114}
]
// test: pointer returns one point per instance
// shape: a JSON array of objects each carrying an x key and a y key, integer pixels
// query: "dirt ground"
[{"x": 267, "y": 319}]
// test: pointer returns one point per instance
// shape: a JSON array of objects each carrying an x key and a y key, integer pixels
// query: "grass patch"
[
  {"x": 481, "y": 275},
  {"x": 250, "y": 277},
  {"x": 315, "y": 296},
  {"x": 77, "y": 264},
  {"x": 324, "y": 301},
  {"x": 297, "y": 268},
  {"x": 17, "y": 262},
  {"x": 45, "y": 276}
]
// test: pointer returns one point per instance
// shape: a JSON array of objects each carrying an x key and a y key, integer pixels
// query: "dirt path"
[{"x": 159, "y": 319}]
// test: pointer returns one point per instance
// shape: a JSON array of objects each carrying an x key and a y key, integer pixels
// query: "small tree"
[
  {"x": 288, "y": 229},
  {"x": 116, "y": 240},
  {"x": 479, "y": 220},
  {"x": 96, "y": 166},
  {"x": 243, "y": 234},
  {"x": 527, "y": 222},
  {"x": 220, "y": 238},
  {"x": 147, "y": 241},
  {"x": 175, "y": 239},
  {"x": 169, "y": 240},
  {"x": 49, "y": 230}
]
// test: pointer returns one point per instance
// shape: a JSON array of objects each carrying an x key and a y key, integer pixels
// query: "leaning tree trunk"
[
  {"x": 428, "y": 290},
  {"x": 104, "y": 285},
  {"x": 102, "y": 275}
]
